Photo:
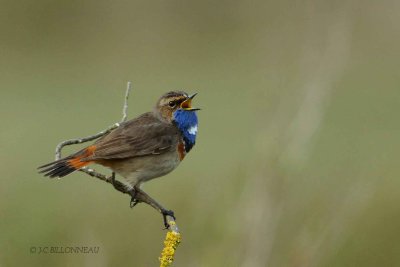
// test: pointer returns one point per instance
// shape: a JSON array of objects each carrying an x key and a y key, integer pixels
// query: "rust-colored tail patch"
[
  {"x": 76, "y": 162},
  {"x": 67, "y": 165}
]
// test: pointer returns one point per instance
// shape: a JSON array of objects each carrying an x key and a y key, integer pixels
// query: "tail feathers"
[{"x": 67, "y": 165}]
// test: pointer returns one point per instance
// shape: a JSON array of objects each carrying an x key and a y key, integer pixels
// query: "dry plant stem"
[{"x": 140, "y": 196}]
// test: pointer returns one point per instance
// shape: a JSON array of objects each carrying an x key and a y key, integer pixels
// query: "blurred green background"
[{"x": 296, "y": 162}]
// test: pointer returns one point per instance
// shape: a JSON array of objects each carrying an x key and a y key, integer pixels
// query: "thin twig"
[{"x": 125, "y": 108}]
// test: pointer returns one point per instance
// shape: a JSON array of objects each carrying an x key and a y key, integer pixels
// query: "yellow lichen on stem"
[{"x": 171, "y": 242}]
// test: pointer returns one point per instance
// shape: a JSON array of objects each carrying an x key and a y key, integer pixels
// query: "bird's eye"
[{"x": 171, "y": 104}]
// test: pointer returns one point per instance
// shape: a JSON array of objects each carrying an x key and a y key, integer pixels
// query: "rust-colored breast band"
[{"x": 181, "y": 150}]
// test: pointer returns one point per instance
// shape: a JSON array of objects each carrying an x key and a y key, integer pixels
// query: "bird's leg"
[
  {"x": 137, "y": 196},
  {"x": 112, "y": 179},
  {"x": 124, "y": 189},
  {"x": 134, "y": 200},
  {"x": 117, "y": 185},
  {"x": 141, "y": 196}
]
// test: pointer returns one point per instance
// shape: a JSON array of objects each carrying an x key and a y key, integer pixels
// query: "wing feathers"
[{"x": 145, "y": 135}]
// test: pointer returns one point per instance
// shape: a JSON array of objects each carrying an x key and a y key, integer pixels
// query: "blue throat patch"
[{"x": 186, "y": 121}]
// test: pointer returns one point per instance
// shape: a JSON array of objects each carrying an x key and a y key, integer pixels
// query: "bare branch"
[
  {"x": 125, "y": 108},
  {"x": 83, "y": 140}
]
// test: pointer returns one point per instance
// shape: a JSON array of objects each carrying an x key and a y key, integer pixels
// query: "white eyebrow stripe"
[{"x": 193, "y": 130}]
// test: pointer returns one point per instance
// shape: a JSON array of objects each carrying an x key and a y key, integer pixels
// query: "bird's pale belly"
[{"x": 141, "y": 169}]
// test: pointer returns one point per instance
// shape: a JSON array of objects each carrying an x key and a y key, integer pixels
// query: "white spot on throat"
[{"x": 193, "y": 130}]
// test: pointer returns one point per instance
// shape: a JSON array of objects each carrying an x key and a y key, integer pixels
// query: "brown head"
[{"x": 172, "y": 101}]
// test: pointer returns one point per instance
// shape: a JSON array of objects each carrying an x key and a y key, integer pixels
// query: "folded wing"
[{"x": 145, "y": 135}]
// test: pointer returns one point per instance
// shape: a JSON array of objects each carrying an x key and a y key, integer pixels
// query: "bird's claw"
[
  {"x": 134, "y": 201},
  {"x": 133, "y": 192},
  {"x": 166, "y": 213}
]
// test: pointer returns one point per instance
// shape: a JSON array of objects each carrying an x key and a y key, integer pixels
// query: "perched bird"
[{"x": 143, "y": 148}]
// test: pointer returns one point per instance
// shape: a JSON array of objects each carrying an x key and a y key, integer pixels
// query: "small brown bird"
[{"x": 143, "y": 148}]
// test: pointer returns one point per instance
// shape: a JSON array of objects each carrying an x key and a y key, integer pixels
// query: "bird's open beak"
[{"x": 187, "y": 104}]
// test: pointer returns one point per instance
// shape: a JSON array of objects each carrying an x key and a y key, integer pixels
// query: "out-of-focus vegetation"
[{"x": 297, "y": 156}]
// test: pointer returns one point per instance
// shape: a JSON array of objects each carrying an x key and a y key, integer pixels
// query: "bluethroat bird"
[{"x": 143, "y": 148}]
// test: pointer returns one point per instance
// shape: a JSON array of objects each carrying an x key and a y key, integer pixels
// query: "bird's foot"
[
  {"x": 134, "y": 200},
  {"x": 166, "y": 213}
]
